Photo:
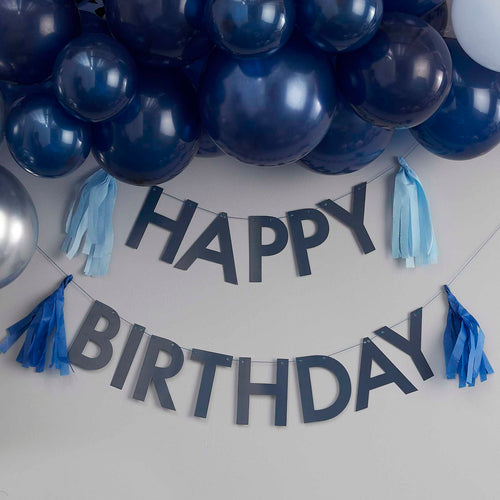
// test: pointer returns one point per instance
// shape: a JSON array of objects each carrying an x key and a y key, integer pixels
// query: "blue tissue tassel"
[
  {"x": 413, "y": 236},
  {"x": 464, "y": 345},
  {"x": 93, "y": 218},
  {"x": 43, "y": 325}
]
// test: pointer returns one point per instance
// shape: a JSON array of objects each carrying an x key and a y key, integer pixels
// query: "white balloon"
[{"x": 477, "y": 27}]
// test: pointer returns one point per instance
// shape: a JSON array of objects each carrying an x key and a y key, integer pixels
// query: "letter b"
[{"x": 88, "y": 333}]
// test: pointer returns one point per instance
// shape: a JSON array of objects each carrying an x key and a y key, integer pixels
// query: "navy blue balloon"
[
  {"x": 91, "y": 23},
  {"x": 467, "y": 124},
  {"x": 156, "y": 136},
  {"x": 194, "y": 71},
  {"x": 249, "y": 28},
  {"x": 164, "y": 33},
  {"x": 2, "y": 116},
  {"x": 95, "y": 77},
  {"x": 44, "y": 138},
  {"x": 12, "y": 92},
  {"x": 32, "y": 32},
  {"x": 339, "y": 25},
  {"x": 401, "y": 77},
  {"x": 413, "y": 7},
  {"x": 272, "y": 110},
  {"x": 350, "y": 144}
]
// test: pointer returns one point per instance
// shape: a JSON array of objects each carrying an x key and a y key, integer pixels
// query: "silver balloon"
[{"x": 18, "y": 228}]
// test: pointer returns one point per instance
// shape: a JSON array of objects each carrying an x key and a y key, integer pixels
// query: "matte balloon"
[
  {"x": 477, "y": 28},
  {"x": 413, "y": 7},
  {"x": 92, "y": 23},
  {"x": 401, "y": 77},
  {"x": 95, "y": 77},
  {"x": 339, "y": 25},
  {"x": 32, "y": 32},
  {"x": 206, "y": 146},
  {"x": 350, "y": 144},
  {"x": 269, "y": 111},
  {"x": 163, "y": 33},
  {"x": 250, "y": 27},
  {"x": 45, "y": 139},
  {"x": 467, "y": 124},
  {"x": 18, "y": 228},
  {"x": 156, "y": 136}
]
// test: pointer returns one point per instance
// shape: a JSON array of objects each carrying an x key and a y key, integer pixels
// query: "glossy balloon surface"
[
  {"x": 2, "y": 116},
  {"x": 156, "y": 136},
  {"x": 194, "y": 71},
  {"x": 413, "y": 7},
  {"x": 32, "y": 32},
  {"x": 44, "y": 138},
  {"x": 269, "y": 111},
  {"x": 95, "y": 77},
  {"x": 477, "y": 28},
  {"x": 251, "y": 27},
  {"x": 339, "y": 25},
  {"x": 13, "y": 91},
  {"x": 350, "y": 143},
  {"x": 18, "y": 228},
  {"x": 160, "y": 33},
  {"x": 92, "y": 23},
  {"x": 401, "y": 77},
  {"x": 467, "y": 124}
]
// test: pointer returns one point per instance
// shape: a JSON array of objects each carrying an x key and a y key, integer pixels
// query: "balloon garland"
[{"x": 277, "y": 81}]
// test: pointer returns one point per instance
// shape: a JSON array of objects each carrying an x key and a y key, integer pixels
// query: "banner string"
[
  {"x": 460, "y": 271},
  {"x": 380, "y": 174}
]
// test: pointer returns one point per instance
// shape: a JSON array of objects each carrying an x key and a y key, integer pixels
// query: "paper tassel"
[
  {"x": 464, "y": 345},
  {"x": 93, "y": 218},
  {"x": 412, "y": 232},
  {"x": 43, "y": 325}
]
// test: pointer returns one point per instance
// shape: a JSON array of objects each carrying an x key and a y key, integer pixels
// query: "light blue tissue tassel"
[
  {"x": 92, "y": 218},
  {"x": 464, "y": 345},
  {"x": 43, "y": 325},
  {"x": 413, "y": 236}
]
